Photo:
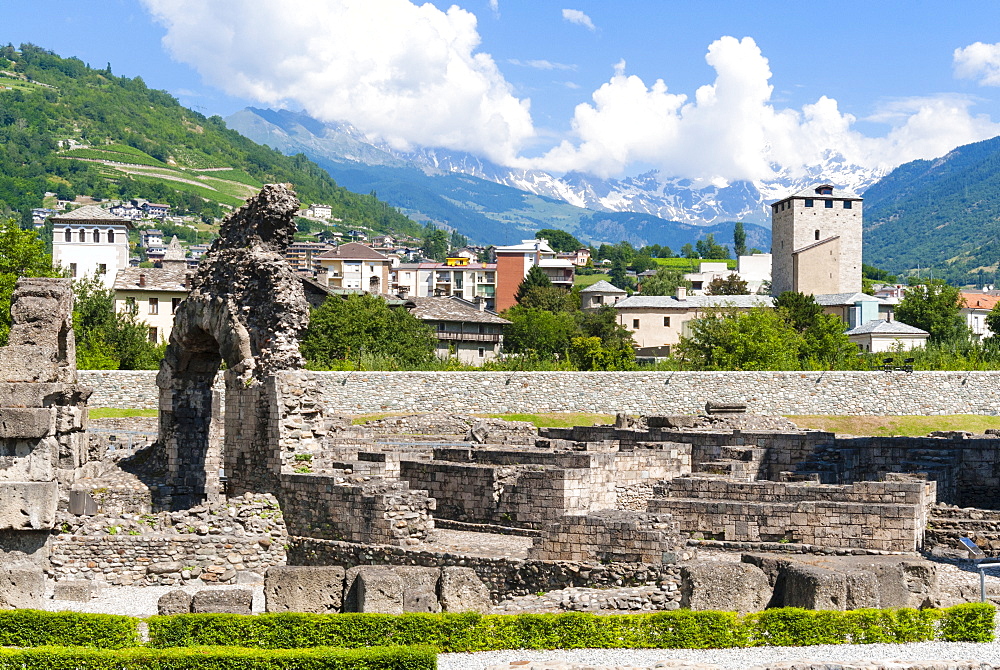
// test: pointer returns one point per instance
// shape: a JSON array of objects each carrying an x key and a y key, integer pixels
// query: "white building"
[
  {"x": 462, "y": 329},
  {"x": 90, "y": 241},
  {"x": 458, "y": 276},
  {"x": 880, "y": 336},
  {"x": 153, "y": 295},
  {"x": 355, "y": 266}
]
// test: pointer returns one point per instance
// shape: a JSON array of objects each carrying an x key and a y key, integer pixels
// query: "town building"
[
  {"x": 151, "y": 238},
  {"x": 816, "y": 242},
  {"x": 975, "y": 308},
  {"x": 600, "y": 294},
  {"x": 880, "y": 336},
  {"x": 155, "y": 210},
  {"x": 458, "y": 276},
  {"x": 514, "y": 261},
  {"x": 580, "y": 258},
  {"x": 855, "y": 309},
  {"x": 657, "y": 322},
  {"x": 463, "y": 329},
  {"x": 356, "y": 266},
  {"x": 302, "y": 255},
  {"x": 153, "y": 295},
  {"x": 90, "y": 241}
]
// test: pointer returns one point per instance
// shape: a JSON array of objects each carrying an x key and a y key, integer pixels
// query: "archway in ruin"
[{"x": 246, "y": 309}]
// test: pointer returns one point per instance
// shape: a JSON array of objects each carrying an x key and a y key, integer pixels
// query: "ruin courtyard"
[{"x": 253, "y": 491}]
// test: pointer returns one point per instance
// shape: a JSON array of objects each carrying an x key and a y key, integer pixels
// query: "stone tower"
[{"x": 816, "y": 242}]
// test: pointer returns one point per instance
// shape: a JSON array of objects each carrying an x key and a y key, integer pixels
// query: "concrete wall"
[{"x": 854, "y": 393}]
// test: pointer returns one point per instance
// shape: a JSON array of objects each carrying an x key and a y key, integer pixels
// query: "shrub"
[
  {"x": 972, "y": 622},
  {"x": 220, "y": 658},
  {"x": 35, "y": 628}
]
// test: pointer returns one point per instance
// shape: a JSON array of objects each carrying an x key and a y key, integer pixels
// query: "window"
[
  {"x": 97, "y": 237},
  {"x": 848, "y": 204},
  {"x": 481, "y": 329},
  {"x": 666, "y": 321},
  {"x": 482, "y": 352},
  {"x": 72, "y": 270},
  {"x": 440, "y": 327},
  {"x": 174, "y": 304},
  {"x": 83, "y": 236},
  {"x": 809, "y": 202},
  {"x": 102, "y": 269},
  {"x": 635, "y": 323},
  {"x": 817, "y": 234},
  {"x": 598, "y": 299},
  {"x": 153, "y": 335},
  {"x": 68, "y": 235},
  {"x": 828, "y": 204},
  {"x": 154, "y": 305},
  {"x": 111, "y": 237},
  {"x": 130, "y": 305}
]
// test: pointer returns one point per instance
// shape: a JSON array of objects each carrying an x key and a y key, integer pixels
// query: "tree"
[
  {"x": 551, "y": 298},
  {"x": 106, "y": 339},
  {"x": 664, "y": 282},
  {"x": 643, "y": 262},
  {"x": 22, "y": 254},
  {"x": 728, "y": 285},
  {"x": 934, "y": 306},
  {"x": 618, "y": 275},
  {"x": 824, "y": 340},
  {"x": 993, "y": 322},
  {"x": 538, "y": 331},
  {"x": 801, "y": 311},
  {"x": 590, "y": 353},
  {"x": 435, "y": 244},
  {"x": 559, "y": 240},
  {"x": 739, "y": 239},
  {"x": 349, "y": 328},
  {"x": 536, "y": 277},
  {"x": 707, "y": 248},
  {"x": 757, "y": 339}
]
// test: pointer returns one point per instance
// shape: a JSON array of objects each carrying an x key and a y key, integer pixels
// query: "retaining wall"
[{"x": 853, "y": 393}]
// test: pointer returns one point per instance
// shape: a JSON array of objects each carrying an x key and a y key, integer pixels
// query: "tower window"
[
  {"x": 83, "y": 236},
  {"x": 97, "y": 237},
  {"x": 847, "y": 204},
  {"x": 68, "y": 235},
  {"x": 809, "y": 202},
  {"x": 817, "y": 234},
  {"x": 829, "y": 204},
  {"x": 111, "y": 237}
]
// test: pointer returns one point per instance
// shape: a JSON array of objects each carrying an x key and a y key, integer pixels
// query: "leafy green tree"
[
  {"x": 993, "y": 322},
  {"x": 435, "y": 244},
  {"x": 871, "y": 275},
  {"x": 538, "y": 331},
  {"x": 618, "y": 274},
  {"x": 739, "y": 239},
  {"x": 536, "y": 278},
  {"x": 109, "y": 340},
  {"x": 590, "y": 353},
  {"x": 344, "y": 329},
  {"x": 801, "y": 311},
  {"x": 551, "y": 298},
  {"x": 664, "y": 282},
  {"x": 559, "y": 240},
  {"x": 707, "y": 248},
  {"x": 458, "y": 240},
  {"x": 643, "y": 262},
  {"x": 825, "y": 346},
  {"x": 756, "y": 339},
  {"x": 688, "y": 251},
  {"x": 22, "y": 254},
  {"x": 934, "y": 306},
  {"x": 728, "y": 285}
]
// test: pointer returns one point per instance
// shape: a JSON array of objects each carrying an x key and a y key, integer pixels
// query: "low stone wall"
[
  {"x": 161, "y": 560},
  {"x": 504, "y": 576},
  {"x": 610, "y": 536},
  {"x": 851, "y": 393}
]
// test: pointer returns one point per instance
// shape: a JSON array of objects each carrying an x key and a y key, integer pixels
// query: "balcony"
[{"x": 467, "y": 337}]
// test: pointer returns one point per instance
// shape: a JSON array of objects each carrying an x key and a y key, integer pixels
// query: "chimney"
[
  {"x": 481, "y": 303},
  {"x": 142, "y": 279},
  {"x": 682, "y": 293}
]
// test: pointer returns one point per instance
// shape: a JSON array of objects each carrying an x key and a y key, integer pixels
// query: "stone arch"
[{"x": 246, "y": 309}]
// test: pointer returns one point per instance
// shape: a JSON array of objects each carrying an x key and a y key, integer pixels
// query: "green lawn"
[
  {"x": 692, "y": 264},
  {"x": 583, "y": 281},
  {"x": 557, "y": 419},
  {"x": 885, "y": 426},
  {"x": 118, "y": 413}
]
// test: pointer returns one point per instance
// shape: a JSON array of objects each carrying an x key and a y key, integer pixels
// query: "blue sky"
[{"x": 504, "y": 79}]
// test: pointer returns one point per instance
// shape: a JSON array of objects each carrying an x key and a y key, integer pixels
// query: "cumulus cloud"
[
  {"x": 541, "y": 64},
  {"x": 731, "y": 129},
  {"x": 409, "y": 74},
  {"x": 579, "y": 18},
  {"x": 978, "y": 61}
]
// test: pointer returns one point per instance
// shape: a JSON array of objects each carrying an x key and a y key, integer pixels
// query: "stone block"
[
  {"x": 462, "y": 591},
  {"x": 420, "y": 588},
  {"x": 177, "y": 601},
  {"x": 21, "y": 588},
  {"x": 28, "y": 505},
  {"x": 296, "y": 588},
  {"x": 26, "y": 422},
  {"x": 376, "y": 589},
  {"x": 729, "y": 587},
  {"x": 75, "y": 590},
  {"x": 815, "y": 588},
  {"x": 222, "y": 601},
  {"x": 29, "y": 363}
]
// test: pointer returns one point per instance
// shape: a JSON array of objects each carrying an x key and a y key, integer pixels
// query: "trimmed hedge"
[
  {"x": 664, "y": 630},
  {"x": 37, "y": 628},
  {"x": 219, "y": 658}
]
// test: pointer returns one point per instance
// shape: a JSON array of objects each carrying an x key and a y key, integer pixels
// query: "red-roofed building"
[{"x": 975, "y": 307}]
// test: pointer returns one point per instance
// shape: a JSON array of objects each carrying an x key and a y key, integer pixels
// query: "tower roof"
[
  {"x": 91, "y": 214},
  {"x": 823, "y": 190}
]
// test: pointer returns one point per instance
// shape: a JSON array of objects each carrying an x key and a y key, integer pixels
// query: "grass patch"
[
  {"x": 905, "y": 426},
  {"x": 583, "y": 281},
  {"x": 119, "y": 413},
  {"x": 693, "y": 264},
  {"x": 557, "y": 419}
]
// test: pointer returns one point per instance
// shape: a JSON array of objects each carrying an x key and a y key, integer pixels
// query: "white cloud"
[
  {"x": 732, "y": 130},
  {"x": 541, "y": 64},
  {"x": 978, "y": 61},
  {"x": 579, "y": 18},
  {"x": 409, "y": 74},
  {"x": 494, "y": 6}
]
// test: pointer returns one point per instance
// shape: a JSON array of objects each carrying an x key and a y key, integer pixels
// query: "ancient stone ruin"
[{"x": 265, "y": 476}]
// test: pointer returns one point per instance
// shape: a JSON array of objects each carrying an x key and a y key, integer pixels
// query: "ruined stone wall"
[
  {"x": 769, "y": 393},
  {"x": 372, "y": 512},
  {"x": 887, "y": 516},
  {"x": 610, "y": 536}
]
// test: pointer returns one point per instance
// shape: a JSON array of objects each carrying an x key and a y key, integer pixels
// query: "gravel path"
[
  {"x": 733, "y": 659},
  {"x": 140, "y": 601}
]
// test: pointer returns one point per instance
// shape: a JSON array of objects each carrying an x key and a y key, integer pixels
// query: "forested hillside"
[
  {"x": 74, "y": 130},
  {"x": 942, "y": 215}
]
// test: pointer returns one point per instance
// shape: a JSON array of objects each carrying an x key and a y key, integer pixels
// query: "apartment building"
[
  {"x": 355, "y": 266},
  {"x": 459, "y": 276}
]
